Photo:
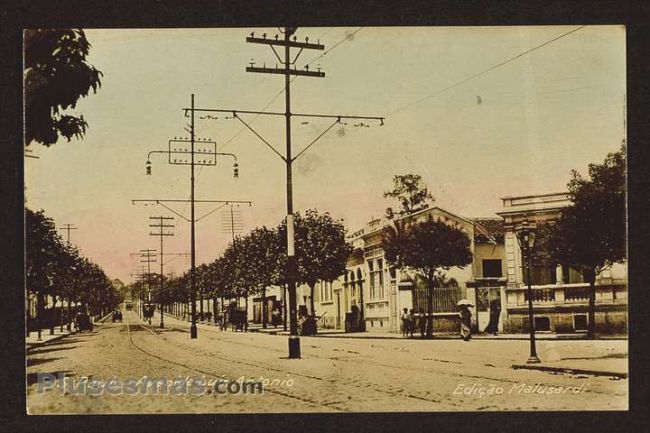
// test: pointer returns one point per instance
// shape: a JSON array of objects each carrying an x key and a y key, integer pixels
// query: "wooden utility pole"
[
  {"x": 288, "y": 42},
  {"x": 162, "y": 226}
]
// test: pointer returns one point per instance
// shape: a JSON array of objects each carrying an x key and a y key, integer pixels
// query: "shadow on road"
[
  {"x": 32, "y": 378},
  {"x": 38, "y": 361},
  {"x": 47, "y": 349}
]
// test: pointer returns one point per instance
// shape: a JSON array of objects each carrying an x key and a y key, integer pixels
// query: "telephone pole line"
[
  {"x": 161, "y": 226},
  {"x": 67, "y": 228},
  {"x": 287, "y": 43},
  {"x": 139, "y": 273},
  {"x": 149, "y": 256},
  {"x": 209, "y": 154}
]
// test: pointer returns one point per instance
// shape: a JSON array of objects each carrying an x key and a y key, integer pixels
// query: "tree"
[
  {"x": 591, "y": 234},
  {"x": 321, "y": 249},
  {"x": 42, "y": 248},
  {"x": 411, "y": 193},
  {"x": 56, "y": 75},
  {"x": 429, "y": 247},
  {"x": 238, "y": 265},
  {"x": 263, "y": 248}
]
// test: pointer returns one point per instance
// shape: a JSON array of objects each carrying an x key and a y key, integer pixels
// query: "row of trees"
[
  {"x": 253, "y": 263},
  {"x": 58, "y": 270}
]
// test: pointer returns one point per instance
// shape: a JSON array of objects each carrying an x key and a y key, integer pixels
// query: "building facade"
[
  {"x": 494, "y": 282},
  {"x": 379, "y": 291},
  {"x": 560, "y": 295}
]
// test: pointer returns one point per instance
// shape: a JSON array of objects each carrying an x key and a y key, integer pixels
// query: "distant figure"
[
  {"x": 405, "y": 322},
  {"x": 465, "y": 322},
  {"x": 495, "y": 313},
  {"x": 411, "y": 322},
  {"x": 276, "y": 317},
  {"x": 479, "y": 100},
  {"x": 422, "y": 322}
]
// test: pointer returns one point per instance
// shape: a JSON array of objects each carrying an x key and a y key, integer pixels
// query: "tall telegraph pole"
[
  {"x": 162, "y": 226},
  {"x": 149, "y": 257},
  {"x": 193, "y": 329},
  {"x": 291, "y": 272},
  {"x": 67, "y": 228},
  {"x": 288, "y": 42},
  {"x": 177, "y": 156}
]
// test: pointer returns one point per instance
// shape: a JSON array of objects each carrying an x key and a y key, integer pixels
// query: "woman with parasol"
[{"x": 465, "y": 314}]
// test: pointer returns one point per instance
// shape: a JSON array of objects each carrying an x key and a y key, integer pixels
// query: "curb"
[{"x": 549, "y": 368}]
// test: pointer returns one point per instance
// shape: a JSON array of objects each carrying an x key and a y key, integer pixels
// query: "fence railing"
[
  {"x": 541, "y": 295},
  {"x": 577, "y": 293},
  {"x": 444, "y": 299}
]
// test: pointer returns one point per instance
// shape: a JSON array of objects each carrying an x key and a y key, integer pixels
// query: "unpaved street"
[{"x": 334, "y": 374}]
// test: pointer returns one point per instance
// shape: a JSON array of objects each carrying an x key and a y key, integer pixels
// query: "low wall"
[{"x": 607, "y": 322}]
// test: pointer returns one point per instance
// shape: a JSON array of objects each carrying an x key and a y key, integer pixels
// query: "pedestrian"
[
  {"x": 465, "y": 322},
  {"x": 405, "y": 322},
  {"x": 495, "y": 313},
  {"x": 411, "y": 322},
  {"x": 422, "y": 322}
]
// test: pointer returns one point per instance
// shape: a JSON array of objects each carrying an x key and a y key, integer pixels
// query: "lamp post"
[{"x": 526, "y": 238}]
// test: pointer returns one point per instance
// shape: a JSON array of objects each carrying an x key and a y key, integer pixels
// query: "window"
[
  {"x": 570, "y": 275},
  {"x": 542, "y": 324},
  {"x": 380, "y": 275},
  {"x": 325, "y": 291},
  {"x": 540, "y": 275},
  {"x": 580, "y": 322},
  {"x": 371, "y": 270},
  {"x": 492, "y": 268}
]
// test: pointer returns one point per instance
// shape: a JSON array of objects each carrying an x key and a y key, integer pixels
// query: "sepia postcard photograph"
[{"x": 231, "y": 220}]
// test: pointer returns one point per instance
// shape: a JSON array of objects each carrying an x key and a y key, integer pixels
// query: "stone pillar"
[
  {"x": 503, "y": 317},
  {"x": 559, "y": 276}
]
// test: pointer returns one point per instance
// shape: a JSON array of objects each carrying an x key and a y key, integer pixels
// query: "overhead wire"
[{"x": 485, "y": 71}]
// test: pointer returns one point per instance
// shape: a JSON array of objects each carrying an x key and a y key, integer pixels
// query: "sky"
[{"x": 474, "y": 137}]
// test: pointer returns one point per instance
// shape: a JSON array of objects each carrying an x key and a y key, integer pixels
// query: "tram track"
[
  {"x": 303, "y": 375},
  {"x": 399, "y": 368},
  {"x": 209, "y": 373}
]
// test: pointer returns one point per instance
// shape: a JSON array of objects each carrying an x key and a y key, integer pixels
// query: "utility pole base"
[
  {"x": 533, "y": 360},
  {"x": 193, "y": 332},
  {"x": 294, "y": 347}
]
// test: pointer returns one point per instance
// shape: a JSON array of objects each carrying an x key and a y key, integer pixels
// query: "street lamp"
[
  {"x": 526, "y": 238},
  {"x": 210, "y": 158}
]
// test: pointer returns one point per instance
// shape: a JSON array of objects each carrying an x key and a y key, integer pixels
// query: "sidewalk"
[
  {"x": 337, "y": 333},
  {"x": 615, "y": 367},
  {"x": 561, "y": 353},
  {"x": 32, "y": 341}
]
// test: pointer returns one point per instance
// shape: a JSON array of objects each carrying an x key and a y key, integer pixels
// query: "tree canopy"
[
  {"x": 321, "y": 249},
  {"x": 591, "y": 233},
  {"x": 56, "y": 75},
  {"x": 430, "y": 248},
  {"x": 58, "y": 269},
  {"x": 411, "y": 193}
]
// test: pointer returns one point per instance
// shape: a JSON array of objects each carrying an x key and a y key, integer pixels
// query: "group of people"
[{"x": 411, "y": 322}]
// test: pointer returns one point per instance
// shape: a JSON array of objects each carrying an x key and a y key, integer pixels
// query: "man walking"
[{"x": 405, "y": 322}]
